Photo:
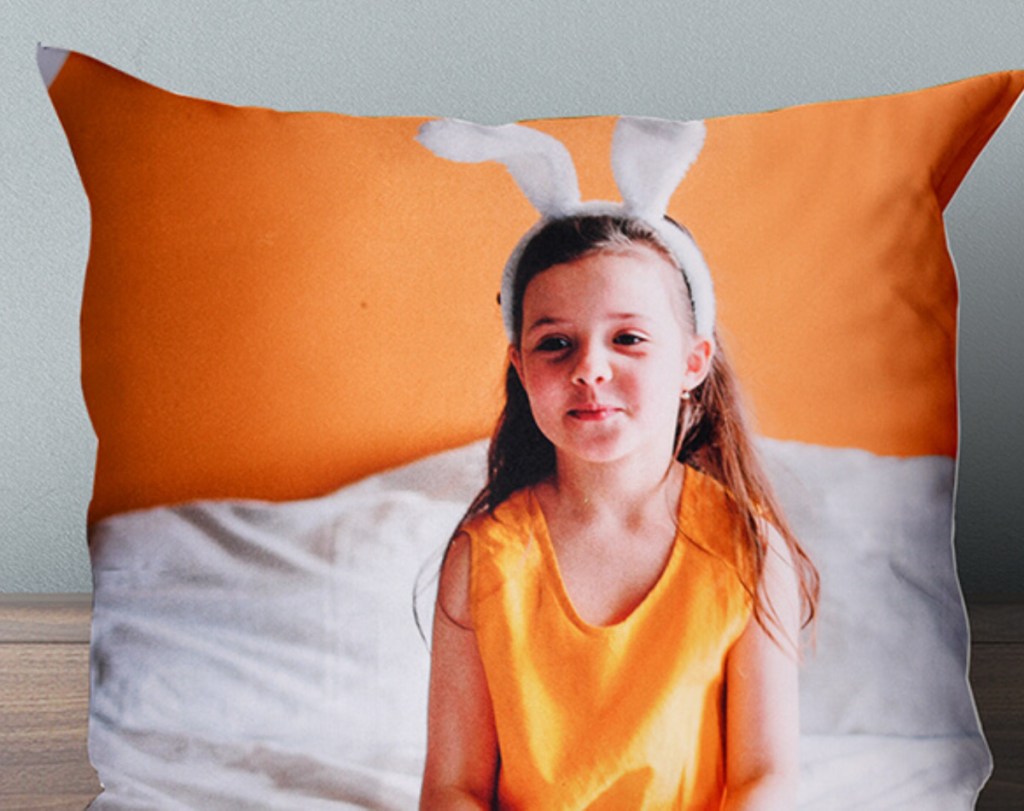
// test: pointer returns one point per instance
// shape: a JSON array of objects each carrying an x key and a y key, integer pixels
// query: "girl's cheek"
[
  {"x": 544, "y": 377},
  {"x": 538, "y": 386}
]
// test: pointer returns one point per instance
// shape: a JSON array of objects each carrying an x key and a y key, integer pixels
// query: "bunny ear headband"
[{"x": 650, "y": 157}]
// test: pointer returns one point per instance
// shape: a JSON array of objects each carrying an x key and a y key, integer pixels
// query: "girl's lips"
[{"x": 593, "y": 413}]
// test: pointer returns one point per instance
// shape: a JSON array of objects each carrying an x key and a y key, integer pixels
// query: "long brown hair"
[{"x": 712, "y": 434}]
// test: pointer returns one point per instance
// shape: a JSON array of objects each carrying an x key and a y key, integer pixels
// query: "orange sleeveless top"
[{"x": 624, "y": 716}]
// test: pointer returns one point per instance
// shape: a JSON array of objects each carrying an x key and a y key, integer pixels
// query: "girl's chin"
[
  {"x": 606, "y": 443},
  {"x": 600, "y": 452}
]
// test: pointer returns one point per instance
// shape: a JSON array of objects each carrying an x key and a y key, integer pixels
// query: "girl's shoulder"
[
  {"x": 703, "y": 489},
  {"x": 477, "y": 553},
  {"x": 509, "y": 519},
  {"x": 501, "y": 545},
  {"x": 711, "y": 518}
]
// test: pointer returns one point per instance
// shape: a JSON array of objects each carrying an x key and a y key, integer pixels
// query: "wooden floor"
[
  {"x": 44, "y": 661},
  {"x": 997, "y": 677},
  {"x": 44, "y": 703}
]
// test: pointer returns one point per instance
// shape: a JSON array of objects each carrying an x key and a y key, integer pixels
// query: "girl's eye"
[
  {"x": 629, "y": 339},
  {"x": 553, "y": 343}
]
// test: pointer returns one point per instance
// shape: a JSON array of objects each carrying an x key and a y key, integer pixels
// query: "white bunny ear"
[
  {"x": 539, "y": 163},
  {"x": 650, "y": 157}
]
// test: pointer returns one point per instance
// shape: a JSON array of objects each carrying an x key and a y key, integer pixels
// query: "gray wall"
[{"x": 490, "y": 61}]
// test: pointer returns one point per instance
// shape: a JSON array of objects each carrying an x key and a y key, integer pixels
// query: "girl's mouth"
[{"x": 593, "y": 413}]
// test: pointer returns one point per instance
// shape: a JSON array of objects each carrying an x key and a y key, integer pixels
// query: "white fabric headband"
[{"x": 650, "y": 157}]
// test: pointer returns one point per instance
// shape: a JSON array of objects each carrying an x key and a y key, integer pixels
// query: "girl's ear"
[
  {"x": 515, "y": 357},
  {"x": 698, "y": 362}
]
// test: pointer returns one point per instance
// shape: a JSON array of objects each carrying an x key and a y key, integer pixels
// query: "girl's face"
[{"x": 606, "y": 352}]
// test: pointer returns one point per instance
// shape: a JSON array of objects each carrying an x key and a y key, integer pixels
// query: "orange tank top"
[{"x": 624, "y": 716}]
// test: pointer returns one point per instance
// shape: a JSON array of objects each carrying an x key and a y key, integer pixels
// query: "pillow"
[{"x": 278, "y": 304}]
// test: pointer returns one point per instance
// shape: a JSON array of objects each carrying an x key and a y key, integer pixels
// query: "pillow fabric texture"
[{"x": 279, "y": 304}]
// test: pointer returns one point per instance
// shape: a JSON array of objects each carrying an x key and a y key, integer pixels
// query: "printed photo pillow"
[{"x": 291, "y": 350}]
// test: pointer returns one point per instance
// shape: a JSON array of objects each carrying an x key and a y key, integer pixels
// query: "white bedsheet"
[
  {"x": 838, "y": 773},
  {"x": 891, "y": 773},
  {"x": 263, "y": 656}
]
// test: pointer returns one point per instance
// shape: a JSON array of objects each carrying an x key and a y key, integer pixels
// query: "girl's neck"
[{"x": 626, "y": 491}]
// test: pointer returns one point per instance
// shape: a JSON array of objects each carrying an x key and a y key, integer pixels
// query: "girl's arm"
[
  {"x": 462, "y": 747},
  {"x": 762, "y": 758}
]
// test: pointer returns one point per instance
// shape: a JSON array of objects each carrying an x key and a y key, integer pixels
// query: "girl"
[{"x": 620, "y": 607}]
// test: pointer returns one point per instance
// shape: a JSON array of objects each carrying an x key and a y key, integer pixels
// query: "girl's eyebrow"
[
  {"x": 550, "y": 320},
  {"x": 546, "y": 321},
  {"x": 627, "y": 317}
]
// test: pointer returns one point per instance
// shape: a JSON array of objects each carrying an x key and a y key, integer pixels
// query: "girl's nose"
[{"x": 592, "y": 367}]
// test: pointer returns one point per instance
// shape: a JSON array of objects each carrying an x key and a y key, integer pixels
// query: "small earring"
[{"x": 685, "y": 395}]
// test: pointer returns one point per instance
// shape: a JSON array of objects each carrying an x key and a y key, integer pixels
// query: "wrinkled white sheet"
[
  {"x": 255, "y": 655},
  {"x": 838, "y": 773},
  {"x": 891, "y": 773}
]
